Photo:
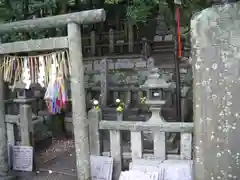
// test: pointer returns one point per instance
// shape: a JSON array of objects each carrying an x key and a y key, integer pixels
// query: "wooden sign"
[
  {"x": 101, "y": 167},
  {"x": 22, "y": 158}
]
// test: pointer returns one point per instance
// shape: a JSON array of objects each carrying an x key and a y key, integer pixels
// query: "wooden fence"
[
  {"x": 116, "y": 42},
  {"x": 112, "y": 42}
]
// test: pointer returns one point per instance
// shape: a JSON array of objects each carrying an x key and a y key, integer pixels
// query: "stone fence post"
[{"x": 94, "y": 117}]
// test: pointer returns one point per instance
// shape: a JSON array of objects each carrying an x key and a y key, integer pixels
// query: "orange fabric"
[{"x": 178, "y": 33}]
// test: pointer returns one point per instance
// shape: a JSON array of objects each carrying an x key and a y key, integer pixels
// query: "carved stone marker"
[{"x": 215, "y": 51}]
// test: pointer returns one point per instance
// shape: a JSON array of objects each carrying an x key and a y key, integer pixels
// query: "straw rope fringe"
[{"x": 13, "y": 66}]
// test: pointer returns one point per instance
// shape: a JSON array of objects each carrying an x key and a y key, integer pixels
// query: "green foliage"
[
  {"x": 137, "y": 11},
  {"x": 140, "y": 11}
]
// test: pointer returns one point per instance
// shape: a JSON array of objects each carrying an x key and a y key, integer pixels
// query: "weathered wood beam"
[
  {"x": 83, "y": 17},
  {"x": 135, "y": 56},
  {"x": 34, "y": 45},
  {"x": 144, "y": 126}
]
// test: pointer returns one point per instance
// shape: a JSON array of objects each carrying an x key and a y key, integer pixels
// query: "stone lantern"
[
  {"x": 155, "y": 86},
  {"x": 24, "y": 99},
  {"x": 22, "y": 92}
]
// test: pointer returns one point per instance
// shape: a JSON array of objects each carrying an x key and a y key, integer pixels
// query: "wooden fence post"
[
  {"x": 104, "y": 82},
  {"x": 93, "y": 43},
  {"x": 215, "y": 54},
  {"x": 111, "y": 41},
  {"x": 94, "y": 116},
  {"x": 130, "y": 37},
  {"x": 80, "y": 124}
]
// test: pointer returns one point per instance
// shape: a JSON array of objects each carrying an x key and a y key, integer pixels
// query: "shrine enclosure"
[{"x": 73, "y": 43}]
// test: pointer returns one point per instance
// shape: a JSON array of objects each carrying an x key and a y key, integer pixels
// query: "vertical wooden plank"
[
  {"x": 93, "y": 43},
  {"x": 126, "y": 29},
  {"x": 186, "y": 146},
  {"x": 130, "y": 37},
  {"x": 115, "y": 96},
  {"x": 104, "y": 81},
  {"x": 94, "y": 117},
  {"x": 144, "y": 46},
  {"x": 136, "y": 144},
  {"x": 116, "y": 152},
  {"x": 128, "y": 97},
  {"x": 139, "y": 96},
  {"x": 89, "y": 97},
  {"x": 25, "y": 124},
  {"x": 111, "y": 41},
  {"x": 80, "y": 124},
  {"x": 159, "y": 145}
]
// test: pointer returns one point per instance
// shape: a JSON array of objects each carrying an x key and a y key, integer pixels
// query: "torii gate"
[{"x": 74, "y": 44}]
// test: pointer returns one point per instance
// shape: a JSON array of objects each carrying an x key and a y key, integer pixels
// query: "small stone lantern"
[
  {"x": 155, "y": 85},
  {"x": 24, "y": 99},
  {"x": 22, "y": 92}
]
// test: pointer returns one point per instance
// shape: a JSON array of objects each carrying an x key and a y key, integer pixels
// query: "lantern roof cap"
[{"x": 155, "y": 81}]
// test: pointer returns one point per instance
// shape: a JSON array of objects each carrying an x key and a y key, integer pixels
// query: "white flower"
[
  {"x": 118, "y": 100},
  {"x": 95, "y": 102}
]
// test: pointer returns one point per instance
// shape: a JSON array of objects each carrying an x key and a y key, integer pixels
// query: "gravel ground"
[{"x": 56, "y": 162}]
